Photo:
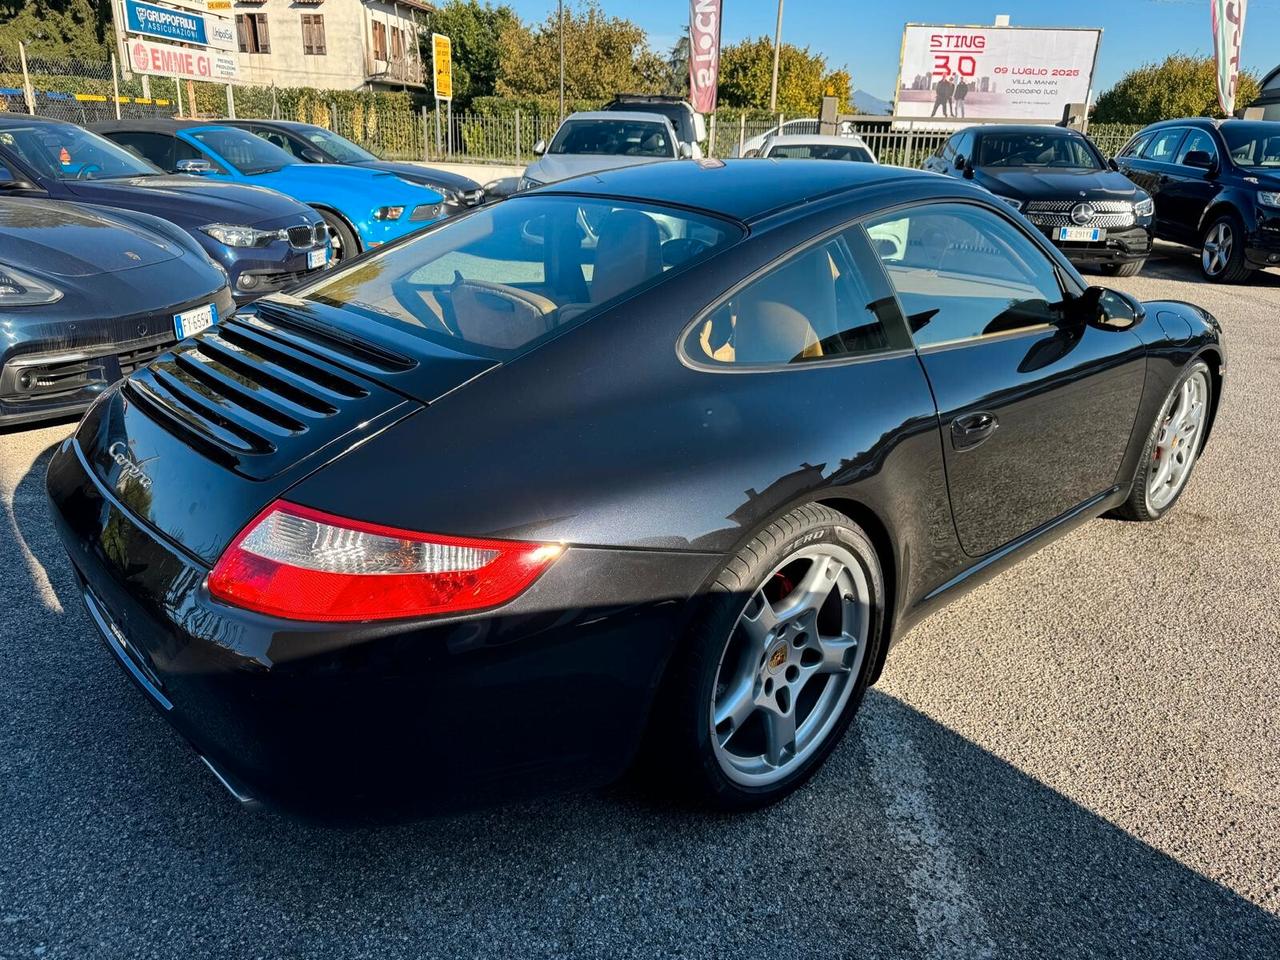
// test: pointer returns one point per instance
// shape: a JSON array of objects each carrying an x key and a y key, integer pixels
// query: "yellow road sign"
[{"x": 442, "y": 65}]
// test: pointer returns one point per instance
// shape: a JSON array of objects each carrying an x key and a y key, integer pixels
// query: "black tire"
[
  {"x": 679, "y": 755},
  {"x": 1130, "y": 268},
  {"x": 343, "y": 238},
  {"x": 1137, "y": 506},
  {"x": 1237, "y": 269}
]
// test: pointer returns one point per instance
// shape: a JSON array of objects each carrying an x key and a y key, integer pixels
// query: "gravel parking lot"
[{"x": 1080, "y": 759}]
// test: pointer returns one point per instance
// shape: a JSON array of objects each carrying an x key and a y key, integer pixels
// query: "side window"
[
  {"x": 964, "y": 146},
  {"x": 1164, "y": 145},
  {"x": 1197, "y": 140},
  {"x": 828, "y": 302},
  {"x": 278, "y": 139},
  {"x": 963, "y": 272},
  {"x": 1134, "y": 147},
  {"x": 155, "y": 147},
  {"x": 948, "y": 153}
]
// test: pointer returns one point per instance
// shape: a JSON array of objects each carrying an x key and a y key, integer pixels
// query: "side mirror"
[
  {"x": 751, "y": 153},
  {"x": 966, "y": 168},
  {"x": 312, "y": 155},
  {"x": 194, "y": 166},
  {"x": 540, "y": 148},
  {"x": 960, "y": 162},
  {"x": 686, "y": 151},
  {"x": 1200, "y": 159},
  {"x": 1109, "y": 309},
  {"x": 1112, "y": 165}
]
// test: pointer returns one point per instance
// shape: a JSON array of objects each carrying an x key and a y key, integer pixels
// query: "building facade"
[
  {"x": 1267, "y": 106},
  {"x": 332, "y": 44}
]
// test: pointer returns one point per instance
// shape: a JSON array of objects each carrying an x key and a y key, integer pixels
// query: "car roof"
[
  {"x": 1204, "y": 123},
  {"x": 152, "y": 125},
  {"x": 613, "y": 115},
  {"x": 785, "y": 139},
  {"x": 13, "y": 119},
  {"x": 284, "y": 124},
  {"x": 1025, "y": 128},
  {"x": 743, "y": 190}
]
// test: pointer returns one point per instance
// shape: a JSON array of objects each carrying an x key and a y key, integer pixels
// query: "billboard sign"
[
  {"x": 179, "y": 26},
  {"x": 704, "y": 53},
  {"x": 189, "y": 63},
  {"x": 442, "y": 65},
  {"x": 1013, "y": 73},
  {"x": 1228, "y": 32}
]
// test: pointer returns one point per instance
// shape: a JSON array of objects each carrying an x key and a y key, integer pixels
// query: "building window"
[
  {"x": 251, "y": 29},
  {"x": 313, "y": 33},
  {"x": 397, "y": 44},
  {"x": 379, "y": 40}
]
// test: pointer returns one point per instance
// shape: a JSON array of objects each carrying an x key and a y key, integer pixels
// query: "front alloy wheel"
[{"x": 1222, "y": 251}]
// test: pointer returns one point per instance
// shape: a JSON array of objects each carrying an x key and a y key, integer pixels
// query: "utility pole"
[
  {"x": 777, "y": 50},
  {"x": 560, "y": 6}
]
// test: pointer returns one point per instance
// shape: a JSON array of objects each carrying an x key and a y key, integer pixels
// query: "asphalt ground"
[{"x": 1078, "y": 760}]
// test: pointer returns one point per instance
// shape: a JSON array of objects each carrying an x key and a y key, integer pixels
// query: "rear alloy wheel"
[
  {"x": 341, "y": 237},
  {"x": 1130, "y": 268},
  {"x": 1172, "y": 447},
  {"x": 773, "y": 674},
  {"x": 1222, "y": 251}
]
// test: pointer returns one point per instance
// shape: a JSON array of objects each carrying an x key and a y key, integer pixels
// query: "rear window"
[
  {"x": 614, "y": 138},
  {"x": 822, "y": 151},
  {"x": 509, "y": 276}
]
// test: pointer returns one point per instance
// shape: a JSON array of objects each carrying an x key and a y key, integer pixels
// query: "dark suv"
[
  {"x": 1063, "y": 184},
  {"x": 1216, "y": 185}
]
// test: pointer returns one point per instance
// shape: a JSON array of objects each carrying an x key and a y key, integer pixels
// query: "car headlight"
[
  {"x": 237, "y": 236},
  {"x": 1016, "y": 204},
  {"x": 1269, "y": 198},
  {"x": 528, "y": 183},
  {"x": 388, "y": 213},
  {"x": 1144, "y": 208},
  {"x": 446, "y": 195},
  {"x": 18, "y": 289}
]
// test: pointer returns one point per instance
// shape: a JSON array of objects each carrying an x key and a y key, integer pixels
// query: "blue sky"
[{"x": 866, "y": 36}]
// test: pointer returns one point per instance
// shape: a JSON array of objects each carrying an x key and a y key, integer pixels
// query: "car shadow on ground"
[
  {"x": 1172, "y": 262},
  {"x": 911, "y": 842}
]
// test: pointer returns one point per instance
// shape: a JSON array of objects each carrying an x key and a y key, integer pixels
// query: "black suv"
[
  {"x": 1216, "y": 184},
  {"x": 1063, "y": 184}
]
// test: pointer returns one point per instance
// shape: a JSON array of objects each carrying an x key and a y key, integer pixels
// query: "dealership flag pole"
[
  {"x": 26, "y": 80},
  {"x": 115, "y": 86},
  {"x": 777, "y": 50}
]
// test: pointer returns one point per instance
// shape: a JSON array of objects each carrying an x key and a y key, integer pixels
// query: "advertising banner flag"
[
  {"x": 1228, "y": 32},
  {"x": 1011, "y": 73},
  {"x": 704, "y": 53},
  {"x": 166, "y": 60}
]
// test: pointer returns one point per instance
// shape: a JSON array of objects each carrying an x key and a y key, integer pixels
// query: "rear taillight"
[{"x": 303, "y": 564}]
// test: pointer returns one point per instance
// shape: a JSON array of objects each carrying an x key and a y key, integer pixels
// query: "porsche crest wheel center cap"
[{"x": 777, "y": 658}]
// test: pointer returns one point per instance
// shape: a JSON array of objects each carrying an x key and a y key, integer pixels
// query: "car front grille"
[
  {"x": 251, "y": 392},
  {"x": 306, "y": 235},
  {"x": 49, "y": 376},
  {"x": 472, "y": 198},
  {"x": 1057, "y": 213}
]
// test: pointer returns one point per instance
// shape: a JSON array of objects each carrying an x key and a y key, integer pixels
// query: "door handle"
[{"x": 971, "y": 429}]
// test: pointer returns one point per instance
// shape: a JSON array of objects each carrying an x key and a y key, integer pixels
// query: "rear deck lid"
[{"x": 212, "y": 431}]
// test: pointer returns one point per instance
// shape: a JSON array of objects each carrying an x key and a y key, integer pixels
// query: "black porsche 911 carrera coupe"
[
  {"x": 649, "y": 465},
  {"x": 88, "y": 295}
]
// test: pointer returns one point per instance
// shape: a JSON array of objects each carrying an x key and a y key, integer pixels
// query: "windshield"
[
  {"x": 65, "y": 152},
  {"x": 1253, "y": 144},
  {"x": 1036, "y": 150},
  {"x": 339, "y": 148},
  {"x": 624, "y": 138},
  {"x": 516, "y": 273},
  {"x": 249, "y": 154},
  {"x": 822, "y": 151}
]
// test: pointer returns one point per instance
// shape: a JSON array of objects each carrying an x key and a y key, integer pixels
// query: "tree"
[
  {"x": 474, "y": 30},
  {"x": 603, "y": 55},
  {"x": 57, "y": 28},
  {"x": 746, "y": 75},
  {"x": 1181, "y": 86}
]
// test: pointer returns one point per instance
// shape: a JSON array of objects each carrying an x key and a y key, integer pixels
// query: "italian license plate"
[
  {"x": 316, "y": 258},
  {"x": 190, "y": 322},
  {"x": 1080, "y": 234}
]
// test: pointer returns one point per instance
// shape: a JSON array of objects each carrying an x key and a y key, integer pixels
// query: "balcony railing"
[{"x": 403, "y": 70}]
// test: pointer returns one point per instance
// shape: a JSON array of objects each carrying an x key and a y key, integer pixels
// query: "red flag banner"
[
  {"x": 704, "y": 53},
  {"x": 1228, "y": 31}
]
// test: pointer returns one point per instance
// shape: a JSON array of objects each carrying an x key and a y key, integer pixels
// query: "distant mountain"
[{"x": 864, "y": 102}]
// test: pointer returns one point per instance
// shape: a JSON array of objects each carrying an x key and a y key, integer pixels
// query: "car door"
[
  {"x": 1157, "y": 161},
  {"x": 1035, "y": 408},
  {"x": 1189, "y": 190}
]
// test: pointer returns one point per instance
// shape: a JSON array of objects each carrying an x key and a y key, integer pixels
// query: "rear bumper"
[{"x": 549, "y": 693}]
